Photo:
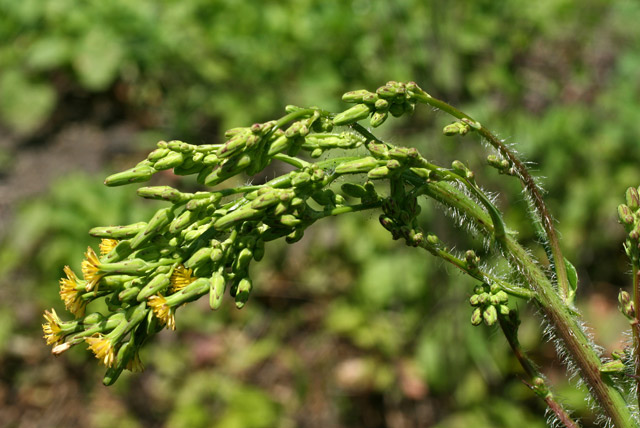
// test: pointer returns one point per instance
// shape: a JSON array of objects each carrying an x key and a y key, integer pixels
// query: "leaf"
[{"x": 572, "y": 276}]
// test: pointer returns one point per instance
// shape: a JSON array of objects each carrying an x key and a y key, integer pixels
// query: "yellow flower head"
[
  {"x": 162, "y": 311},
  {"x": 106, "y": 245},
  {"x": 134, "y": 364},
  {"x": 52, "y": 331},
  {"x": 180, "y": 278},
  {"x": 91, "y": 269},
  {"x": 102, "y": 349},
  {"x": 69, "y": 293}
]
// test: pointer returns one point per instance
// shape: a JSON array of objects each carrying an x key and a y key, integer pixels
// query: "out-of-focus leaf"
[
  {"x": 24, "y": 104},
  {"x": 98, "y": 58}
]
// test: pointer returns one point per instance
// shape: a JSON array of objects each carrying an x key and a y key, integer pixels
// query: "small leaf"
[{"x": 572, "y": 276}]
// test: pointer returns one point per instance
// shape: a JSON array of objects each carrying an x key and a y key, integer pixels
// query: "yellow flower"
[
  {"x": 102, "y": 349},
  {"x": 52, "y": 331},
  {"x": 106, "y": 245},
  {"x": 134, "y": 364},
  {"x": 162, "y": 311},
  {"x": 69, "y": 293},
  {"x": 180, "y": 278},
  {"x": 91, "y": 269}
]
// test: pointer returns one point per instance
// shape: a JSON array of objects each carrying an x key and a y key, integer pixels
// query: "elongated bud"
[
  {"x": 166, "y": 193},
  {"x": 127, "y": 267},
  {"x": 632, "y": 198},
  {"x": 236, "y": 144},
  {"x": 354, "y": 190},
  {"x": 234, "y": 217},
  {"x": 242, "y": 293},
  {"x": 378, "y": 118},
  {"x": 625, "y": 215},
  {"x": 355, "y": 96},
  {"x": 476, "y": 316},
  {"x": 354, "y": 114},
  {"x": 158, "y": 154},
  {"x": 474, "y": 300},
  {"x": 140, "y": 173},
  {"x": 216, "y": 290},
  {"x": 357, "y": 166},
  {"x": 159, "y": 220},
  {"x": 626, "y": 305},
  {"x": 118, "y": 232},
  {"x": 615, "y": 366},
  {"x": 203, "y": 255},
  {"x": 456, "y": 128},
  {"x": 171, "y": 160},
  {"x": 490, "y": 315},
  {"x": 157, "y": 284},
  {"x": 182, "y": 221},
  {"x": 378, "y": 173}
]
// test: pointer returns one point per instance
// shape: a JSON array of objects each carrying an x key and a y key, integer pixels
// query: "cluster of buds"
[
  {"x": 204, "y": 242},
  {"x": 626, "y": 306},
  {"x": 502, "y": 165},
  {"x": 393, "y": 98},
  {"x": 488, "y": 301},
  {"x": 629, "y": 215}
]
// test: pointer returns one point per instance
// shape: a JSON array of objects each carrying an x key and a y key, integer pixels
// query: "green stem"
[
  {"x": 558, "y": 314},
  {"x": 536, "y": 381},
  {"x": 527, "y": 180},
  {"x": 635, "y": 326}
]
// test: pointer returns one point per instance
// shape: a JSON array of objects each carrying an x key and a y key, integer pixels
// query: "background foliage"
[{"x": 346, "y": 328}]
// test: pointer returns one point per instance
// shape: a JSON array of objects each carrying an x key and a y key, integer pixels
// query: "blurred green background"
[{"x": 346, "y": 327}]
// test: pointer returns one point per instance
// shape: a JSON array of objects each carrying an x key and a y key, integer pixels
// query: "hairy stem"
[{"x": 527, "y": 180}]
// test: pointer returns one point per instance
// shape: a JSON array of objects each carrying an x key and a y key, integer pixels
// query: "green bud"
[
  {"x": 295, "y": 236},
  {"x": 198, "y": 258},
  {"x": 171, "y": 160},
  {"x": 158, "y": 284},
  {"x": 242, "y": 293},
  {"x": 235, "y": 145},
  {"x": 490, "y": 315},
  {"x": 504, "y": 310},
  {"x": 378, "y": 173},
  {"x": 258, "y": 250},
  {"x": 216, "y": 290},
  {"x": 182, "y": 221},
  {"x": 158, "y": 154},
  {"x": 625, "y": 215},
  {"x": 161, "y": 218},
  {"x": 127, "y": 267},
  {"x": 234, "y": 217},
  {"x": 632, "y": 198},
  {"x": 242, "y": 260},
  {"x": 166, "y": 193},
  {"x": 128, "y": 294},
  {"x": 476, "y": 316},
  {"x": 615, "y": 366},
  {"x": 387, "y": 92},
  {"x": 140, "y": 173},
  {"x": 118, "y": 232},
  {"x": 290, "y": 220},
  {"x": 355, "y": 96},
  {"x": 316, "y": 153},
  {"x": 396, "y": 110},
  {"x": 354, "y": 114},
  {"x": 300, "y": 179},
  {"x": 382, "y": 105},
  {"x": 353, "y": 190},
  {"x": 474, "y": 300},
  {"x": 378, "y": 150},
  {"x": 280, "y": 144},
  {"x": 378, "y": 118},
  {"x": 357, "y": 166}
]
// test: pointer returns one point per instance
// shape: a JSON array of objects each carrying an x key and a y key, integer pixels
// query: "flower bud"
[
  {"x": 625, "y": 215},
  {"x": 490, "y": 315},
  {"x": 474, "y": 300},
  {"x": 353, "y": 190},
  {"x": 242, "y": 292},
  {"x": 476, "y": 316},
  {"x": 160, "y": 219},
  {"x": 171, "y": 160},
  {"x": 357, "y": 166},
  {"x": 118, "y": 232},
  {"x": 242, "y": 260},
  {"x": 158, "y": 284},
  {"x": 140, "y": 173},
  {"x": 378, "y": 118},
  {"x": 632, "y": 198},
  {"x": 166, "y": 193},
  {"x": 203, "y": 255},
  {"x": 234, "y": 217},
  {"x": 354, "y": 114},
  {"x": 235, "y": 145},
  {"x": 355, "y": 96},
  {"x": 217, "y": 286},
  {"x": 378, "y": 173}
]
